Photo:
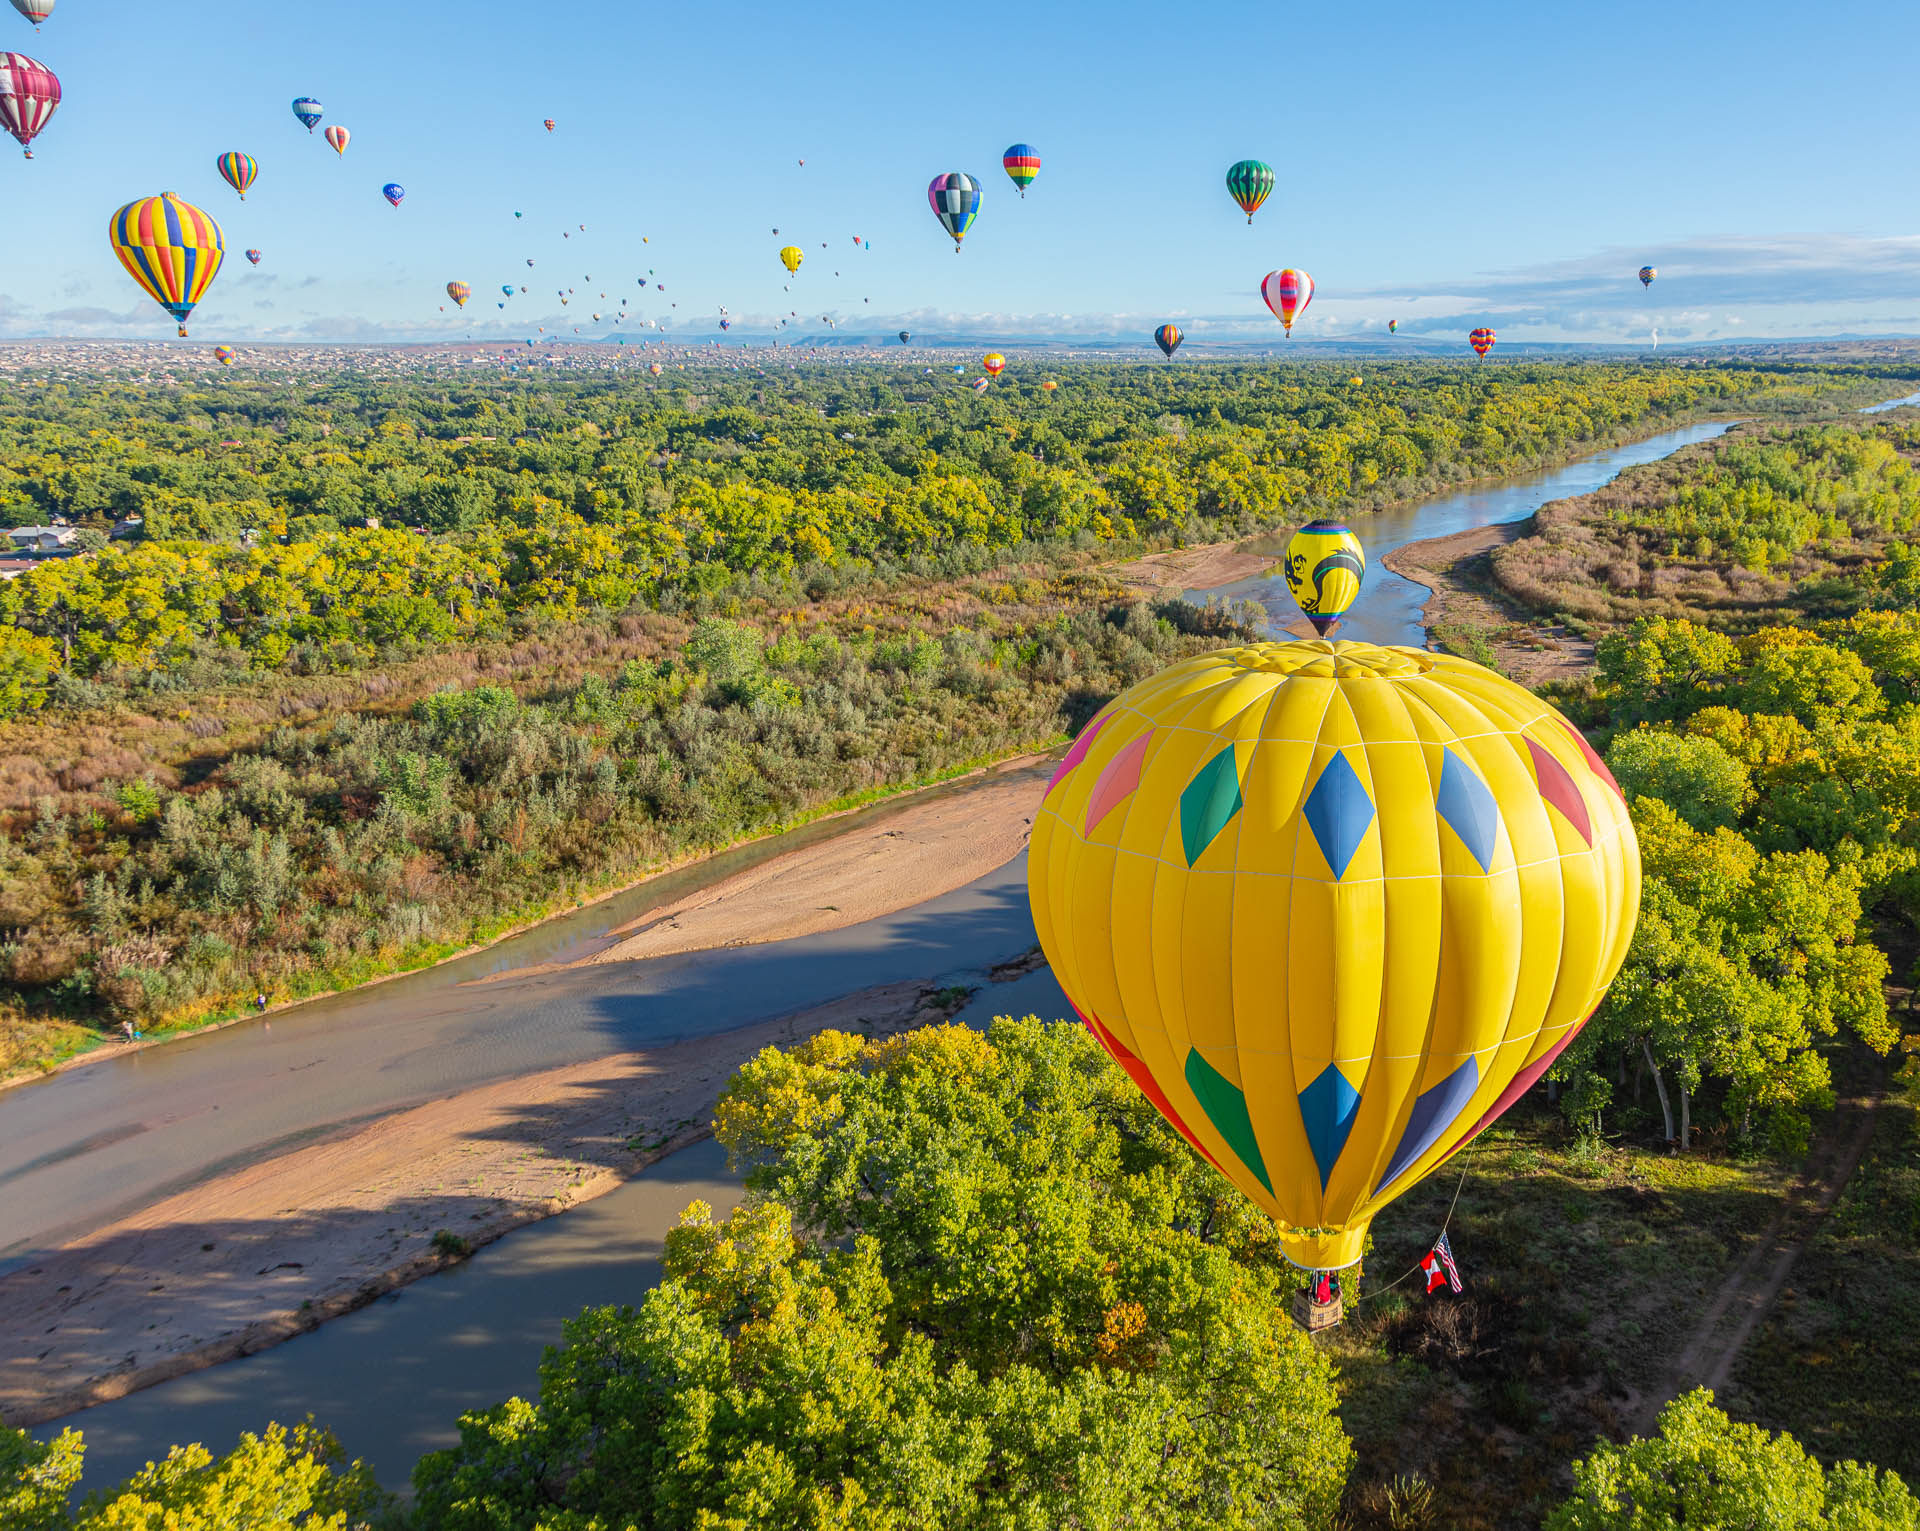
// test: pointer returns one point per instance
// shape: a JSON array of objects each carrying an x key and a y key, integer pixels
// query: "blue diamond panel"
[
  {"x": 1465, "y": 802},
  {"x": 1327, "y": 1107},
  {"x": 1339, "y": 813},
  {"x": 1209, "y": 801},
  {"x": 1433, "y": 1113}
]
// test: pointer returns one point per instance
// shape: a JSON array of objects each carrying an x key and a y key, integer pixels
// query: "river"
[{"x": 391, "y": 1378}]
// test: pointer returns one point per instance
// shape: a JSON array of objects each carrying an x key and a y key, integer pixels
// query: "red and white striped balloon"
[
  {"x": 1287, "y": 293},
  {"x": 29, "y": 93}
]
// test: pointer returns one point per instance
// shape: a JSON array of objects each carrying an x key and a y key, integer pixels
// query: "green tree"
[
  {"x": 1704, "y": 1472},
  {"x": 1692, "y": 775},
  {"x": 36, "y": 1478}
]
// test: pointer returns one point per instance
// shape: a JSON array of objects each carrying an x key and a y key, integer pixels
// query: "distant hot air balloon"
[
  {"x": 1168, "y": 338},
  {"x": 726, "y": 324},
  {"x": 29, "y": 96},
  {"x": 223, "y": 355},
  {"x": 254, "y": 256},
  {"x": 993, "y": 364},
  {"x": 1249, "y": 181},
  {"x": 308, "y": 111},
  {"x": 955, "y": 200},
  {"x": 394, "y": 192},
  {"x": 656, "y": 369},
  {"x": 549, "y": 124},
  {"x": 1022, "y": 164},
  {"x": 238, "y": 171},
  {"x": 1334, "y": 908},
  {"x": 1647, "y": 274},
  {"x": 1392, "y": 325},
  {"x": 1482, "y": 342},
  {"x": 980, "y": 385},
  {"x": 339, "y": 137},
  {"x": 1324, "y": 566},
  {"x": 1048, "y": 386},
  {"x": 529, "y": 260},
  {"x": 905, "y": 336},
  {"x": 459, "y": 292},
  {"x": 790, "y": 257},
  {"x": 35, "y": 11},
  {"x": 1287, "y": 293},
  {"x": 507, "y": 288},
  {"x": 171, "y": 248}
]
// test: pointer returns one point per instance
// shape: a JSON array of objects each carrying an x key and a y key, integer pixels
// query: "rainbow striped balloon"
[
  {"x": 1482, "y": 342},
  {"x": 460, "y": 292},
  {"x": 1022, "y": 164},
  {"x": 1249, "y": 183},
  {"x": 223, "y": 355},
  {"x": 237, "y": 170},
  {"x": 1168, "y": 338},
  {"x": 171, "y": 248}
]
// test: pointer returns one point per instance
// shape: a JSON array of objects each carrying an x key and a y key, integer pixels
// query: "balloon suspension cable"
[{"x": 1445, "y": 1223}]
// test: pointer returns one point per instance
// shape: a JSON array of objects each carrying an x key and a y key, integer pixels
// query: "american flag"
[{"x": 1439, "y": 1266}]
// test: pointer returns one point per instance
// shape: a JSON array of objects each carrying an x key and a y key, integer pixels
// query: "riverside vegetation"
[
  {"x": 266, "y": 746},
  {"x": 979, "y": 1282}
]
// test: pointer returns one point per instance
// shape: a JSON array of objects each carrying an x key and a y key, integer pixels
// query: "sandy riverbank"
[
  {"x": 1456, "y": 569},
  {"x": 906, "y": 859},
  {"x": 258, "y": 1255},
  {"x": 1201, "y": 568}
]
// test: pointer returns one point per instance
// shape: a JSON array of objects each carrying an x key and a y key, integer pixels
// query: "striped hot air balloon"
[
  {"x": 1647, "y": 274},
  {"x": 459, "y": 292},
  {"x": 993, "y": 364},
  {"x": 35, "y": 11},
  {"x": 237, "y": 170},
  {"x": 1482, "y": 342},
  {"x": 1168, "y": 338},
  {"x": 339, "y": 137},
  {"x": 1392, "y": 325},
  {"x": 254, "y": 256},
  {"x": 1022, "y": 164},
  {"x": 309, "y": 111},
  {"x": 1287, "y": 293},
  {"x": 171, "y": 248},
  {"x": 1334, "y": 908},
  {"x": 29, "y": 96},
  {"x": 223, "y": 355},
  {"x": 955, "y": 200},
  {"x": 1250, "y": 181}
]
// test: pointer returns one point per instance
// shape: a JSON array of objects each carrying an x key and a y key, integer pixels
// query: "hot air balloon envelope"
[
  {"x": 394, "y": 192},
  {"x": 1324, "y": 566},
  {"x": 955, "y": 200},
  {"x": 29, "y": 96},
  {"x": 254, "y": 256},
  {"x": 1168, "y": 338},
  {"x": 35, "y": 11},
  {"x": 1647, "y": 274},
  {"x": 171, "y": 248},
  {"x": 790, "y": 257},
  {"x": 1334, "y": 908},
  {"x": 238, "y": 171},
  {"x": 1022, "y": 164},
  {"x": 308, "y": 111},
  {"x": 1482, "y": 342},
  {"x": 459, "y": 292},
  {"x": 993, "y": 363},
  {"x": 339, "y": 137},
  {"x": 1287, "y": 293},
  {"x": 1249, "y": 181}
]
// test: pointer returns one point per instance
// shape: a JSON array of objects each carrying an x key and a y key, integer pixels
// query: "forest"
[
  {"x": 261, "y": 746},
  {"x": 979, "y": 1282}
]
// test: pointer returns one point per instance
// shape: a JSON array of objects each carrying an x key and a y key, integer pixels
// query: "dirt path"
[{"x": 1750, "y": 1289}]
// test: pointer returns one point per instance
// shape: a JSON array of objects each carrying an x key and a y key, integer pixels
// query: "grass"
[
  {"x": 1585, "y": 1265},
  {"x": 1838, "y": 1360}
]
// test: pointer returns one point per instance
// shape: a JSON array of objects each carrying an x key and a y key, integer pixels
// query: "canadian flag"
[{"x": 1439, "y": 1267}]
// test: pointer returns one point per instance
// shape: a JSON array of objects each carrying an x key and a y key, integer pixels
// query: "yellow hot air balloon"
[
  {"x": 1334, "y": 907},
  {"x": 171, "y": 248},
  {"x": 1324, "y": 566},
  {"x": 791, "y": 257}
]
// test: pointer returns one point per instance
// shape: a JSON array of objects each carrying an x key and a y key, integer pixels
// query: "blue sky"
[{"x": 1448, "y": 166}]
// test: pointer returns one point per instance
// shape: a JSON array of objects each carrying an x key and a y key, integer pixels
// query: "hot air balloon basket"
[{"x": 1314, "y": 1316}]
